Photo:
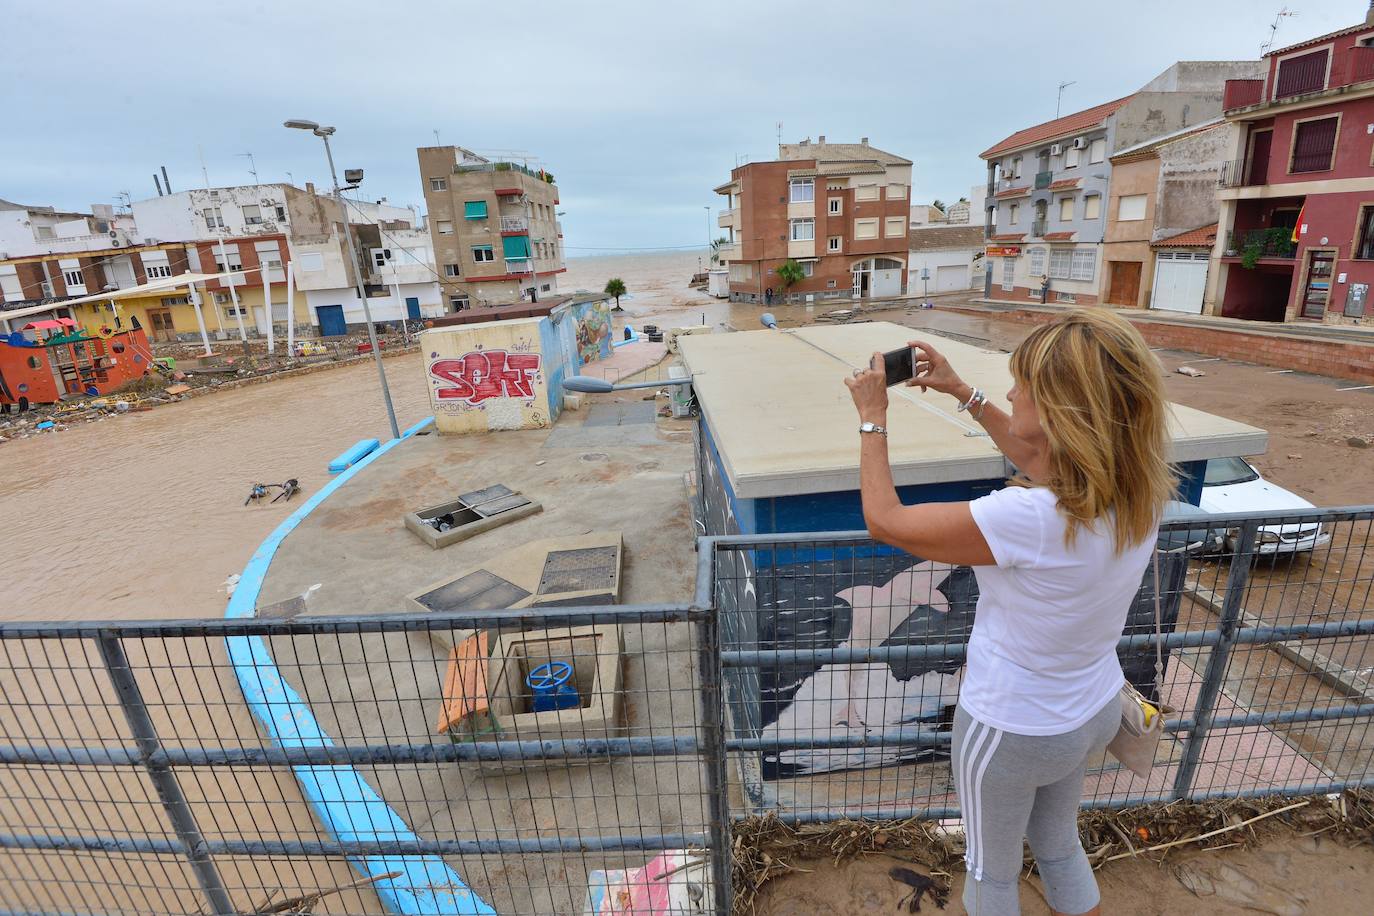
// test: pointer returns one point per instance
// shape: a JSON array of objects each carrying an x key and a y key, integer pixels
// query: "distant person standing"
[
  {"x": 768, "y": 296},
  {"x": 1045, "y": 289}
]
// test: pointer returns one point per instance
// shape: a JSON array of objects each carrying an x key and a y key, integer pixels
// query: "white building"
[
  {"x": 945, "y": 259},
  {"x": 27, "y": 230}
]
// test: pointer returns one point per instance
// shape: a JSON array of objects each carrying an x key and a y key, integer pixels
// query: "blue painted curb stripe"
[{"x": 342, "y": 800}]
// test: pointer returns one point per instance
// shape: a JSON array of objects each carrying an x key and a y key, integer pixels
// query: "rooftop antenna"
[
  {"x": 1282, "y": 14},
  {"x": 290, "y": 179},
  {"x": 252, "y": 165},
  {"x": 1060, "y": 98},
  {"x": 436, "y": 138},
  {"x": 779, "y": 133},
  {"x": 126, "y": 198}
]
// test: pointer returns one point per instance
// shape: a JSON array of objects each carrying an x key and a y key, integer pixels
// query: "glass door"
[{"x": 1317, "y": 290}]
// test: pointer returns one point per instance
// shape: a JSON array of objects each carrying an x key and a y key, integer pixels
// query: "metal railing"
[
  {"x": 1262, "y": 243},
  {"x": 1043, "y": 180},
  {"x": 1038, "y": 228},
  {"x": 402, "y": 763},
  {"x": 1233, "y": 173},
  {"x": 518, "y": 265}
]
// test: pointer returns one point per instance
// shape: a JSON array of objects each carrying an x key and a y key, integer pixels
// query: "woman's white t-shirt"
[{"x": 1042, "y": 657}]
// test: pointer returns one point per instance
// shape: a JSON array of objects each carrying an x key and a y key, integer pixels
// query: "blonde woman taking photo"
[{"x": 1059, "y": 555}]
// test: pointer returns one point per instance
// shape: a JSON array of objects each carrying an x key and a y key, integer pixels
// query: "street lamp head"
[
  {"x": 587, "y": 384},
  {"x": 353, "y": 176},
  {"x": 301, "y": 125}
]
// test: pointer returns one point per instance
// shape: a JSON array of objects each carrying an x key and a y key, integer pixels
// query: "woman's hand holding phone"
[{"x": 934, "y": 372}]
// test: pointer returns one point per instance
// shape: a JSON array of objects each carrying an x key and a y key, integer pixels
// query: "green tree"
[
  {"x": 938, "y": 204},
  {"x": 615, "y": 287},
  {"x": 716, "y": 246},
  {"x": 789, "y": 272}
]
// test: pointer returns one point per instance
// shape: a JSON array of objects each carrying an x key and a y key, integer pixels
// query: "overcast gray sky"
[{"x": 639, "y": 108}]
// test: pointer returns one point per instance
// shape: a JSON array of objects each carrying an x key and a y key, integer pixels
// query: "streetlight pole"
[
  {"x": 708, "y": 230},
  {"x": 324, "y": 133}
]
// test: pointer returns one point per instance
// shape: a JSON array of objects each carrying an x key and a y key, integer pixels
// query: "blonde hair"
[{"x": 1098, "y": 391}]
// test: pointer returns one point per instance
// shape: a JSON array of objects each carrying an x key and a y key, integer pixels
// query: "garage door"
[
  {"x": 951, "y": 277},
  {"x": 1180, "y": 280}
]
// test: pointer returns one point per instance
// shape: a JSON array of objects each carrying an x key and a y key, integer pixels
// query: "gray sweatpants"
[{"x": 1013, "y": 786}]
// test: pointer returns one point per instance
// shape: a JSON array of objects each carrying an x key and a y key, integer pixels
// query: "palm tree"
[
  {"x": 716, "y": 246},
  {"x": 615, "y": 287},
  {"x": 789, "y": 272}
]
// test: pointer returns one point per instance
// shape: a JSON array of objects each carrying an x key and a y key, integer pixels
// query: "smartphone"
[{"x": 899, "y": 365}]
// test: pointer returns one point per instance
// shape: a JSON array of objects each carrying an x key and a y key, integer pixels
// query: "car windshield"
[{"x": 1224, "y": 471}]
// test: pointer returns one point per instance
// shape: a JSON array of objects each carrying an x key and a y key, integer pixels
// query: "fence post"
[
  {"x": 163, "y": 779},
  {"x": 713, "y": 748},
  {"x": 1236, "y": 581}
]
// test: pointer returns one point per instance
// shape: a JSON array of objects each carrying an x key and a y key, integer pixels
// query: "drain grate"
[{"x": 579, "y": 570}]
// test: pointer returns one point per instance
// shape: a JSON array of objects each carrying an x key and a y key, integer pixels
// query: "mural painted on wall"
[{"x": 593, "y": 331}]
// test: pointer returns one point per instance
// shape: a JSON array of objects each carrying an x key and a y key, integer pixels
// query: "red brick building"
[
  {"x": 841, "y": 210},
  {"x": 1296, "y": 234}
]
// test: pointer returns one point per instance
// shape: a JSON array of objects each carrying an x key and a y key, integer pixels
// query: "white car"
[{"x": 1232, "y": 485}]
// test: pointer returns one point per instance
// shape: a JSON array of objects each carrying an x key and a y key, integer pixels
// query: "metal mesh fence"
[{"x": 590, "y": 760}]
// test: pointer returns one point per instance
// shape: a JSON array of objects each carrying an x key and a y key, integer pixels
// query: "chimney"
[
  {"x": 167, "y": 182},
  {"x": 310, "y": 187},
  {"x": 863, "y": 141},
  {"x": 821, "y": 138},
  {"x": 157, "y": 181}
]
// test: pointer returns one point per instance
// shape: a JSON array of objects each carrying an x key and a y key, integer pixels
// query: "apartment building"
[
  {"x": 1048, "y": 185},
  {"x": 1295, "y": 239},
  {"x": 493, "y": 227},
  {"x": 1163, "y": 194},
  {"x": 839, "y": 209}
]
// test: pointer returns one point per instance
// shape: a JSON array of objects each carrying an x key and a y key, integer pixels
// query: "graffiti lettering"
[{"x": 481, "y": 375}]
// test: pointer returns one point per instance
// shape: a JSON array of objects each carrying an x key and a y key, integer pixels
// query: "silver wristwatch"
[{"x": 870, "y": 427}]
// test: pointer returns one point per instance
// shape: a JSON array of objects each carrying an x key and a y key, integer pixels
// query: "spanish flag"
[{"x": 1297, "y": 227}]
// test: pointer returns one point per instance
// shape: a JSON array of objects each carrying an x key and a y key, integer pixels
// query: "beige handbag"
[{"x": 1142, "y": 722}]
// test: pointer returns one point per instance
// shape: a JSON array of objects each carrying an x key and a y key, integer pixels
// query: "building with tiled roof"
[
  {"x": 840, "y": 210},
  {"x": 1052, "y": 182}
]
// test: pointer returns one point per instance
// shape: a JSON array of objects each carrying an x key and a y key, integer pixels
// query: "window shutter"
[
  {"x": 1305, "y": 73},
  {"x": 1314, "y": 144}
]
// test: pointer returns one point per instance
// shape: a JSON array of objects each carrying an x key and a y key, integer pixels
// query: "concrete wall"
[
  {"x": 1188, "y": 180},
  {"x": 1204, "y": 75},
  {"x": 490, "y": 376}
]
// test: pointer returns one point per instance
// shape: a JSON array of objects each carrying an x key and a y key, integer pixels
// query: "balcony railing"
[
  {"x": 517, "y": 265},
  {"x": 1038, "y": 227},
  {"x": 514, "y": 224},
  {"x": 1239, "y": 93},
  {"x": 1359, "y": 65},
  {"x": 1254, "y": 244},
  {"x": 1043, "y": 179},
  {"x": 725, "y": 218},
  {"x": 1236, "y": 173}
]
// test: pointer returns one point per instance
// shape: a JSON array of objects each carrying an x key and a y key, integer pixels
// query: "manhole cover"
[
  {"x": 478, "y": 591},
  {"x": 579, "y": 570}
]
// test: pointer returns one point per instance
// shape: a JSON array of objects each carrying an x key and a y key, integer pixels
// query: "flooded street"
[{"x": 142, "y": 515}]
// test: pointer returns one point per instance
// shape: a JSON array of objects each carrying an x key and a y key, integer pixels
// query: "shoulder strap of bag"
[{"x": 1159, "y": 629}]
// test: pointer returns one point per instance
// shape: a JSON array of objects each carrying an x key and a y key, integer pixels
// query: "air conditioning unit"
[
  {"x": 1056, "y": 149},
  {"x": 1080, "y": 143}
]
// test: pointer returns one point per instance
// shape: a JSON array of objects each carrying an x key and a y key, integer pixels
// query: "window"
[
  {"x": 231, "y": 311},
  {"x": 803, "y": 230},
  {"x": 1301, "y": 73},
  {"x": 1092, "y": 206},
  {"x": 458, "y": 303},
  {"x": 808, "y": 268},
  {"x": 73, "y": 277},
  {"x": 235, "y": 260},
  {"x": 1037, "y": 262},
  {"x": 1013, "y": 214},
  {"x": 1071, "y": 157},
  {"x": 865, "y": 228},
  {"x": 169, "y": 301},
  {"x": 833, "y": 243},
  {"x": 451, "y": 270},
  {"x": 380, "y": 256},
  {"x": 281, "y": 213},
  {"x": 866, "y": 192},
  {"x": 1065, "y": 209},
  {"x": 252, "y": 214},
  {"x": 836, "y": 206},
  {"x": 1364, "y": 242},
  {"x": 213, "y": 218},
  {"x": 1016, "y": 167},
  {"x": 482, "y": 253},
  {"x": 896, "y": 227},
  {"x": 438, "y": 184},
  {"x": 1083, "y": 263},
  {"x": 896, "y": 192},
  {"x": 803, "y": 190},
  {"x": 310, "y": 260},
  {"x": 1097, "y": 150},
  {"x": 475, "y": 209},
  {"x": 1313, "y": 143},
  {"x": 157, "y": 271},
  {"x": 1130, "y": 207},
  {"x": 545, "y": 288},
  {"x": 444, "y": 226},
  {"x": 1061, "y": 262},
  {"x": 42, "y": 233}
]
